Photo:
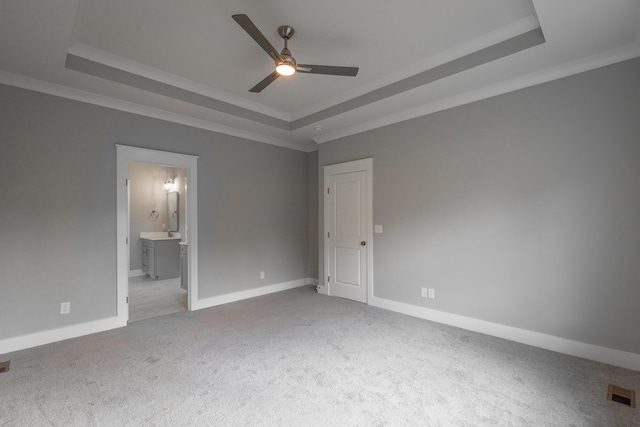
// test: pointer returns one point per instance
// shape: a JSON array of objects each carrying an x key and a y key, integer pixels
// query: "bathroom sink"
[{"x": 159, "y": 235}]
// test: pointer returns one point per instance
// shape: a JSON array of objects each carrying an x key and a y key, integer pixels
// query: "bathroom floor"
[{"x": 150, "y": 298}]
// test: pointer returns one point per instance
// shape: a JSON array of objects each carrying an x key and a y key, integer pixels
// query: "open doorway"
[
  {"x": 169, "y": 164},
  {"x": 158, "y": 282}
]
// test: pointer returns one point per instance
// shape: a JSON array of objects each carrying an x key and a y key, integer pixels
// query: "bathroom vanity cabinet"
[{"x": 161, "y": 258}]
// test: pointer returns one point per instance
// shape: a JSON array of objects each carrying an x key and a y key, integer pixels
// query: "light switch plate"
[{"x": 378, "y": 229}]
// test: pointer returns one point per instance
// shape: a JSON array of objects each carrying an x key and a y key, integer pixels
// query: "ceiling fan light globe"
[{"x": 285, "y": 69}]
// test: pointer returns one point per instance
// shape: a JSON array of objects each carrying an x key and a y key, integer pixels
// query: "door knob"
[{"x": 363, "y": 243}]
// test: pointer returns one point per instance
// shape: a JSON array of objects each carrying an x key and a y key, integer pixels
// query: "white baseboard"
[
  {"x": 561, "y": 345},
  {"x": 574, "y": 348},
  {"x": 135, "y": 273},
  {"x": 250, "y": 293},
  {"x": 46, "y": 337}
]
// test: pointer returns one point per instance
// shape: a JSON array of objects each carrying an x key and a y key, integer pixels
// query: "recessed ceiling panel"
[{"x": 199, "y": 41}]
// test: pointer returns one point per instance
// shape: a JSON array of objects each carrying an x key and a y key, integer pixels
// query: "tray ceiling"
[{"x": 191, "y": 63}]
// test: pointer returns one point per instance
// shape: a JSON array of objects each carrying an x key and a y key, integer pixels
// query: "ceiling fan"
[{"x": 285, "y": 63}]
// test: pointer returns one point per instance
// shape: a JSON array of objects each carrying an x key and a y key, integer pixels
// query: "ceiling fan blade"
[
  {"x": 265, "y": 82},
  {"x": 328, "y": 69},
  {"x": 254, "y": 32}
]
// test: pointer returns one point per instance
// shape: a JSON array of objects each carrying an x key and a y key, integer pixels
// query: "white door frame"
[
  {"x": 365, "y": 165},
  {"x": 125, "y": 155}
]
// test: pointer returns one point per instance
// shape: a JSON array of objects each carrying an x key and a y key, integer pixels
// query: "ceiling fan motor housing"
[{"x": 286, "y": 55}]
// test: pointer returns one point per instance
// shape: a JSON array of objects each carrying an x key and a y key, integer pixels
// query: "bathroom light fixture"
[
  {"x": 170, "y": 181},
  {"x": 170, "y": 185}
]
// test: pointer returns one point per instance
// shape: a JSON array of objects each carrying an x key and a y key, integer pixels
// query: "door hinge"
[
  {"x": 328, "y": 279},
  {"x": 127, "y": 300},
  {"x": 327, "y": 190},
  {"x": 328, "y": 236},
  {"x": 127, "y": 240}
]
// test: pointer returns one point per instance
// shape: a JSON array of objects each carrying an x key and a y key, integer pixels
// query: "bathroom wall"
[{"x": 147, "y": 194}]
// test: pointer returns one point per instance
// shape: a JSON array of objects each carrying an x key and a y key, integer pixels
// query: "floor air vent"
[
  {"x": 4, "y": 366},
  {"x": 622, "y": 395}
]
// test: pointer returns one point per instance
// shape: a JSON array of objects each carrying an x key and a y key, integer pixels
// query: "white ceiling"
[{"x": 190, "y": 62}]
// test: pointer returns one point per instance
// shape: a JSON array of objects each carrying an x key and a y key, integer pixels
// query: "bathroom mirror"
[{"x": 172, "y": 211}]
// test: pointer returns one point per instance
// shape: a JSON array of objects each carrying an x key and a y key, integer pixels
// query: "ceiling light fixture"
[{"x": 285, "y": 69}]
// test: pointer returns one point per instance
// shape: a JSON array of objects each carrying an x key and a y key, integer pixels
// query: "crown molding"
[
  {"x": 595, "y": 61},
  {"x": 143, "y": 110},
  {"x": 475, "y": 59},
  {"x": 575, "y": 67},
  {"x": 490, "y": 39},
  {"x": 108, "y": 59}
]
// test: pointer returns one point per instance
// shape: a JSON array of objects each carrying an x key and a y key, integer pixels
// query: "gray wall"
[
  {"x": 312, "y": 219},
  {"x": 58, "y": 209},
  {"x": 523, "y": 209}
]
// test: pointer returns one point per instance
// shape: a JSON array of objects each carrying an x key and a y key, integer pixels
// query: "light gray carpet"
[{"x": 296, "y": 358}]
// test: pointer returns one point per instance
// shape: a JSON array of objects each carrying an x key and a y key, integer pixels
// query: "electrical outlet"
[
  {"x": 432, "y": 293},
  {"x": 65, "y": 308},
  {"x": 262, "y": 274},
  {"x": 424, "y": 292}
]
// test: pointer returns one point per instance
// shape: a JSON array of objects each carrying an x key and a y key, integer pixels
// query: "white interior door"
[{"x": 347, "y": 237}]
